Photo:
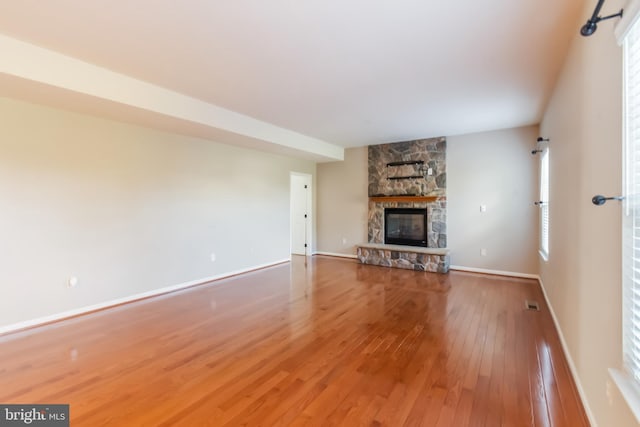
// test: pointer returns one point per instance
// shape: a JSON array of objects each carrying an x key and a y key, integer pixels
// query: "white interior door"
[{"x": 301, "y": 214}]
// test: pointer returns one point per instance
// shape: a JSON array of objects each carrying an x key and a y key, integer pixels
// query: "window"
[
  {"x": 629, "y": 381},
  {"x": 631, "y": 212},
  {"x": 544, "y": 203}
]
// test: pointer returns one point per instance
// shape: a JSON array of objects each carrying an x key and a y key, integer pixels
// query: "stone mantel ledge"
[
  {"x": 435, "y": 260},
  {"x": 407, "y": 199},
  {"x": 405, "y": 248}
]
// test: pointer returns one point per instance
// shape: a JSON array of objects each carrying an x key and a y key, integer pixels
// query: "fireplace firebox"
[{"x": 405, "y": 226}]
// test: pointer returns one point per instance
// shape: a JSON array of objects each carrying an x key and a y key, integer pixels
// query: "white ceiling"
[{"x": 350, "y": 72}]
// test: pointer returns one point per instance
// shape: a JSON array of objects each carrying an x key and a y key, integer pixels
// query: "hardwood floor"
[{"x": 330, "y": 343}]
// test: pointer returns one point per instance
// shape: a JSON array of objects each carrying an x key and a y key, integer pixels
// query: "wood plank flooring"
[{"x": 332, "y": 342}]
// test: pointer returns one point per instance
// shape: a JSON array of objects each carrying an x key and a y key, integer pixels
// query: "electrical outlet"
[
  {"x": 483, "y": 208},
  {"x": 430, "y": 171},
  {"x": 213, "y": 257},
  {"x": 344, "y": 240},
  {"x": 73, "y": 282},
  {"x": 483, "y": 252}
]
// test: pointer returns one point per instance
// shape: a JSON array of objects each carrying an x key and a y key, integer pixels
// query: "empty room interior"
[{"x": 320, "y": 213}]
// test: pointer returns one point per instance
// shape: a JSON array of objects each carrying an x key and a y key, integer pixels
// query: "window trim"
[
  {"x": 543, "y": 248},
  {"x": 628, "y": 390},
  {"x": 628, "y": 386}
]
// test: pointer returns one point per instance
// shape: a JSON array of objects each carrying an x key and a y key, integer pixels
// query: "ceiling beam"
[{"x": 45, "y": 67}]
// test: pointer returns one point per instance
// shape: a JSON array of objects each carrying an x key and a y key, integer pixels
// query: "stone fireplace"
[
  {"x": 409, "y": 176},
  {"x": 435, "y": 208}
]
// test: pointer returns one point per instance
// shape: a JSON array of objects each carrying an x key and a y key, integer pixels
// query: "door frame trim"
[{"x": 310, "y": 216}]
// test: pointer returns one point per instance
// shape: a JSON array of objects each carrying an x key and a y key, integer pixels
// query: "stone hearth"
[{"x": 407, "y": 257}]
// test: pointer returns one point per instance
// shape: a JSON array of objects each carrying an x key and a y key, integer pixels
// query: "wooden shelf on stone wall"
[{"x": 382, "y": 199}]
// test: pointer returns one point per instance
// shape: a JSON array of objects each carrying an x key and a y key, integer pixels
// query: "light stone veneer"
[
  {"x": 432, "y": 152},
  {"x": 382, "y": 171},
  {"x": 408, "y": 257}
]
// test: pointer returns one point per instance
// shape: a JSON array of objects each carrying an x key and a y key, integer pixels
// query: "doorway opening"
[{"x": 301, "y": 195}]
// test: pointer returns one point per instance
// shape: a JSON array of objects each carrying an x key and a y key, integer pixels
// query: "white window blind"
[
  {"x": 544, "y": 206},
  {"x": 631, "y": 205}
]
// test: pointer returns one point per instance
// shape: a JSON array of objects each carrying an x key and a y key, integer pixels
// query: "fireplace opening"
[{"x": 405, "y": 226}]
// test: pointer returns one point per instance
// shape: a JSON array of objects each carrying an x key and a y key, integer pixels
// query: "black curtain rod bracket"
[
  {"x": 600, "y": 200},
  {"x": 592, "y": 24},
  {"x": 538, "y": 141}
]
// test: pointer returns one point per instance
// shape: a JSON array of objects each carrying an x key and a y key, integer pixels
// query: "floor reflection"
[{"x": 317, "y": 340}]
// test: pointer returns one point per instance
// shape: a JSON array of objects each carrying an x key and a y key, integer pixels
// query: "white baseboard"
[
  {"x": 567, "y": 356},
  {"x": 336, "y": 254},
  {"x": 495, "y": 272},
  {"x": 128, "y": 299}
]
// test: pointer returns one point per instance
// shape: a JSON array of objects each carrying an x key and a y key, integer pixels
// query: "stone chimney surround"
[{"x": 409, "y": 174}]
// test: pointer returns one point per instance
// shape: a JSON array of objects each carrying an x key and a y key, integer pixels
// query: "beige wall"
[
  {"x": 343, "y": 203},
  {"x": 126, "y": 209},
  {"x": 495, "y": 169},
  {"x": 582, "y": 277}
]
